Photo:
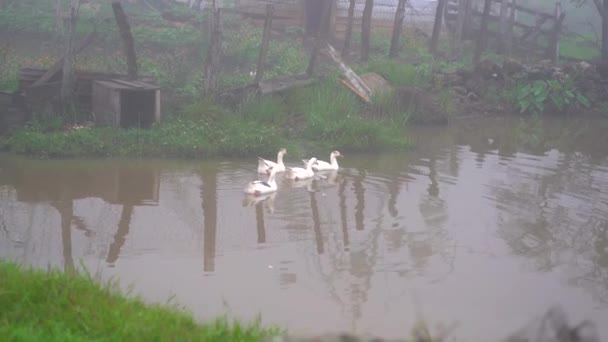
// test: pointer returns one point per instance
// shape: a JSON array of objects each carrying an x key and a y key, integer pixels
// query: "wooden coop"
[{"x": 126, "y": 104}]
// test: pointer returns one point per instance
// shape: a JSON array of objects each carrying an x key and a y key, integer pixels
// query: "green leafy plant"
[{"x": 561, "y": 94}]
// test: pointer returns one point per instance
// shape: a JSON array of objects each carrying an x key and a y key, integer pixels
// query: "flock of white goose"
[{"x": 271, "y": 168}]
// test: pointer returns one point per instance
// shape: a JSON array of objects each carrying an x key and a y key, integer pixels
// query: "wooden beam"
[
  {"x": 56, "y": 68},
  {"x": 356, "y": 83}
]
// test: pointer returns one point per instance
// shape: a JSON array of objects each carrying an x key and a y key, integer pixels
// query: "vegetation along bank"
[{"x": 427, "y": 85}]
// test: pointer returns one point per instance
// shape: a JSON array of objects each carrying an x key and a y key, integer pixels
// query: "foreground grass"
[{"x": 53, "y": 306}]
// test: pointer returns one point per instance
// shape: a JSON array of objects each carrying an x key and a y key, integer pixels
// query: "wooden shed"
[{"x": 120, "y": 103}]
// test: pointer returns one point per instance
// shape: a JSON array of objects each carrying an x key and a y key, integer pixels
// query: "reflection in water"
[
  {"x": 489, "y": 226},
  {"x": 123, "y": 230},
  {"x": 360, "y": 198},
  {"x": 316, "y": 222},
  {"x": 343, "y": 217},
  {"x": 209, "y": 200},
  {"x": 66, "y": 211}
]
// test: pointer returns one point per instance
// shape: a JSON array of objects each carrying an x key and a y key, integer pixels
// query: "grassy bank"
[
  {"x": 322, "y": 116},
  {"x": 53, "y": 306}
]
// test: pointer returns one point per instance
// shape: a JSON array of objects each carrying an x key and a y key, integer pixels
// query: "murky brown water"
[{"x": 484, "y": 225}]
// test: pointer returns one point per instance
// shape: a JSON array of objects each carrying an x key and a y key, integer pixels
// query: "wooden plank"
[
  {"x": 352, "y": 77},
  {"x": 58, "y": 66}
]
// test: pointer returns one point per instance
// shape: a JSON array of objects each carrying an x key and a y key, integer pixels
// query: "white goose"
[
  {"x": 298, "y": 173},
  {"x": 264, "y": 165},
  {"x": 321, "y": 165},
  {"x": 259, "y": 187}
]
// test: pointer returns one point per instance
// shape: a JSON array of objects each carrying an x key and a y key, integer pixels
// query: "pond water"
[{"x": 485, "y": 225}]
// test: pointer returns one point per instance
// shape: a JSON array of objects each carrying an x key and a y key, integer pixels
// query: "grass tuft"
[{"x": 53, "y": 306}]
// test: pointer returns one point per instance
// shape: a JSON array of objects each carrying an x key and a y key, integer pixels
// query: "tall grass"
[{"x": 54, "y": 306}]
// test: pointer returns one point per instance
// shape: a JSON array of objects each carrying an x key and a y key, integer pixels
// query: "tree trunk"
[
  {"x": 553, "y": 51},
  {"x": 321, "y": 38},
  {"x": 504, "y": 7},
  {"x": 605, "y": 31},
  {"x": 509, "y": 42},
  {"x": 459, "y": 31},
  {"x": 58, "y": 18},
  {"x": 67, "y": 81},
  {"x": 397, "y": 27},
  {"x": 212, "y": 62},
  {"x": 366, "y": 26},
  {"x": 127, "y": 39},
  {"x": 483, "y": 33},
  {"x": 437, "y": 26},
  {"x": 259, "y": 72},
  {"x": 349, "y": 28}
]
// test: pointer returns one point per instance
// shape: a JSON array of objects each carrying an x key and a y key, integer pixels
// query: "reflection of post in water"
[
  {"x": 343, "y": 218},
  {"x": 121, "y": 234},
  {"x": 316, "y": 222},
  {"x": 259, "y": 217},
  {"x": 360, "y": 198},
  {"x": 433, "y": 189},
  {"x": 66, "y": 211},
  {"x": 209, "y": 199},
  {"x": 393, "y": 192}
]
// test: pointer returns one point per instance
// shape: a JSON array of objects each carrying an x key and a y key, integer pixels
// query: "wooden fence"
[{"x": 517, "y": 27}]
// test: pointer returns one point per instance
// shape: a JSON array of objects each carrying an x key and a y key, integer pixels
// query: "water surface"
[{"x": 484, "y": 224}]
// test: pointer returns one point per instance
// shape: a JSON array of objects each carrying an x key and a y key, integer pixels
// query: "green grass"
[
  {"x": 579, "y": 47},
  {"x": 325, "y": 115},
  {"x": 177, "y": 137},
  {"x": 53, "y": 306}
]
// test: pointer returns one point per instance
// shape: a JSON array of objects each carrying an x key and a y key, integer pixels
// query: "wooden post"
[
  {"x": 437, "y": 26},
  {"x": 512, "y": 15},
  {"x": 397, "y": 27},
  {"x": 322, "y": 32},
  {"x": 67, "y": 81},
  {"x": 349, "y": 28},
  {"x": 259, "y": 72},
  {"x": 483, "y": 33},
  {"x": 214, "y": 51},
  {"x": 504, "y": 7},
  {"x": 127, "y": 39},
  {"x": 366, "y": 26},
  {"x": 553, "y": 50}
]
